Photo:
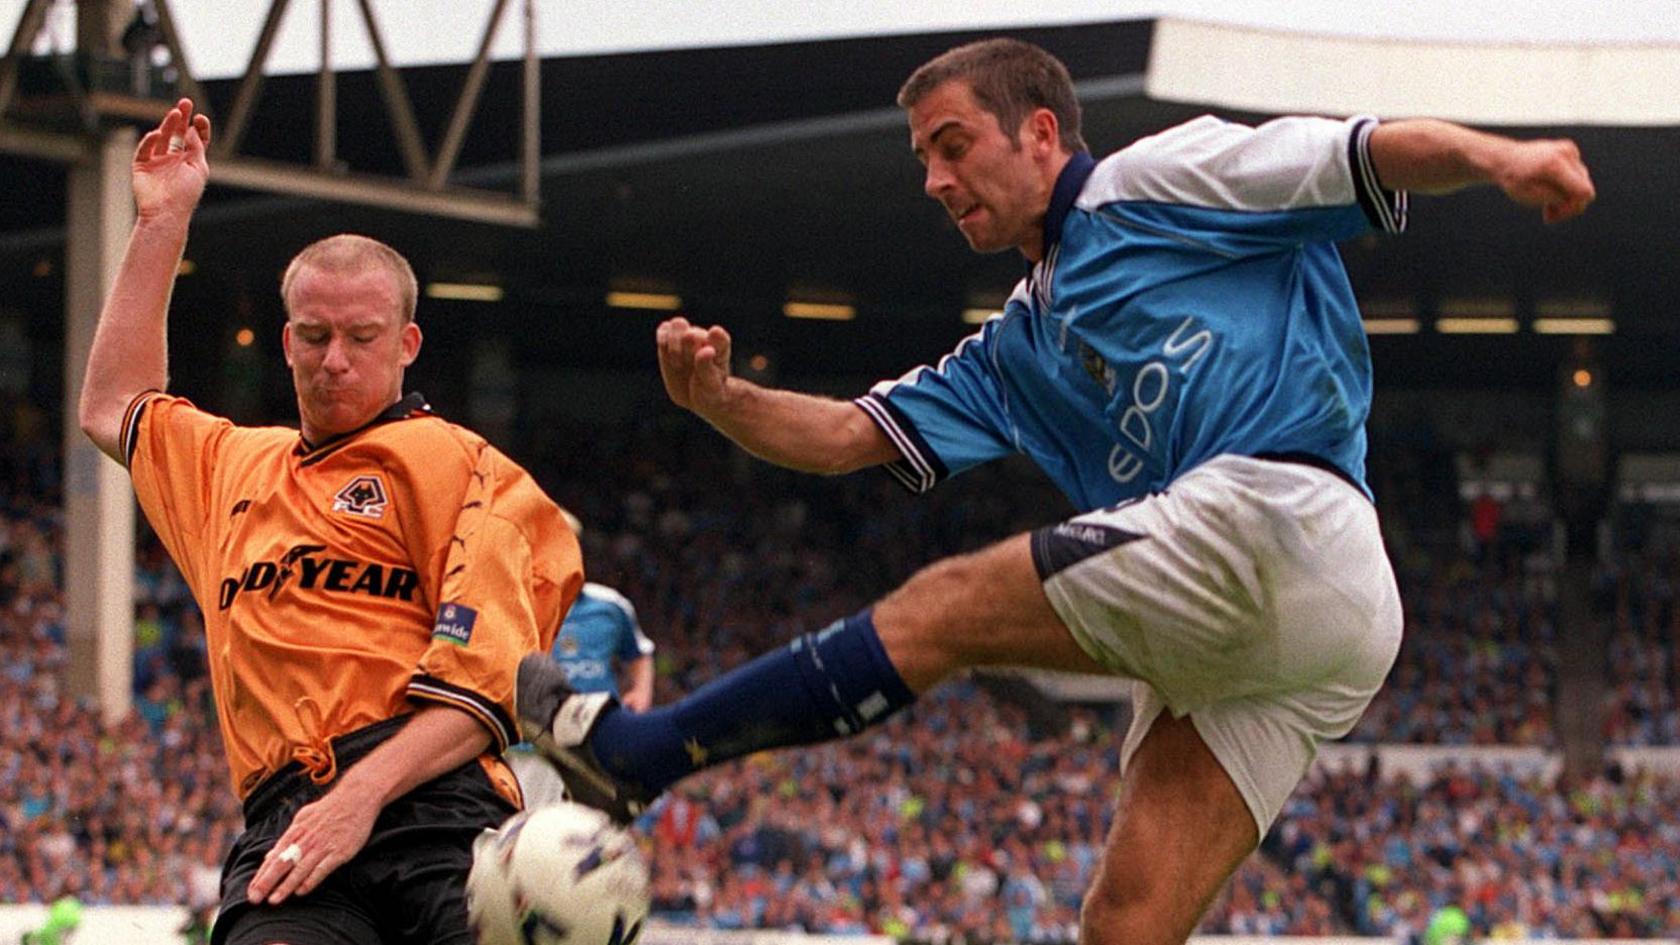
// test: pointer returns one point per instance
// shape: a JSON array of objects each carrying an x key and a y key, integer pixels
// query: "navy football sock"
[{"x": 822, "y": 686}]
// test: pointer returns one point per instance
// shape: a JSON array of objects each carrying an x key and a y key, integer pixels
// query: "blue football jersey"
[
  {"x": 1191, "y": 303},
  {"x": 599, "y": 629}
]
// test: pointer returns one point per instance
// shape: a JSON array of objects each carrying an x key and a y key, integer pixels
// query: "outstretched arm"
[
  {"x": 130, "y": 349},
  {"x": 1438, "y": 157},
  {"x": 799, "y": 431}
]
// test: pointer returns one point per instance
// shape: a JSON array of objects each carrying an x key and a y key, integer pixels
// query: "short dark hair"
[{"x": 1010, "y": 79}]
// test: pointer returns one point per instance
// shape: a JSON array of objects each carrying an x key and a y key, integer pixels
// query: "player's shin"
[{"x": 822, "y": 686}]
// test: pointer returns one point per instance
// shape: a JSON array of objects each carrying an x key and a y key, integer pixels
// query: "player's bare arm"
[
  {"x": 325, "y": 834},
  {"x": 130, "y": 350},
  {"x": 1437, "y": 157},
  {"x": 638, "y": 692},
  {"x": 799, "y": 431}
]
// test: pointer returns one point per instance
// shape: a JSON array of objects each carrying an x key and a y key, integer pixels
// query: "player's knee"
[
  {"x": 954, "y": 580},
  {"x": 1111, "y": 918},
  {"x": 1132, "y": 907},
  {"x": 919, "y": 622},
  {"x": 932, "y": 600}
]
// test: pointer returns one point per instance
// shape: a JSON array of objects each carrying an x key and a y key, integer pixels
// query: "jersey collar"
[
  {"x": 1068, "y": 185},
  {"x": 401, "y": 410}
]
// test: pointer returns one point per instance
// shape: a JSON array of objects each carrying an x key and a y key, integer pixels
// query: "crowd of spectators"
[
  {"x": 1478, "y": 663},
  {"x": 1526, "y": 855},
  {"x": 968, "y": 819},
  {"x": 131, "y": 812},
  {"x": 725, "y": 556},
  {"x": 959, "y": 822},
  {"x": 1635, "y": 592},
  {"x": 954, "y": 820}
]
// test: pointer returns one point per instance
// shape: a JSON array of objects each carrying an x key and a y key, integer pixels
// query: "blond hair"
[{"x": 351, "y": 254}]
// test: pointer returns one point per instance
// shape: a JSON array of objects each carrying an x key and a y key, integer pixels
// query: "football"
[{"x": 558, "y": 875}]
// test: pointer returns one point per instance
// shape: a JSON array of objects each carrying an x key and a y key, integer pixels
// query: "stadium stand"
[
  {"x": 971, "y": 819},
  {"x": 1635, "y": 592},
  {"x": 977, "y": 817}
]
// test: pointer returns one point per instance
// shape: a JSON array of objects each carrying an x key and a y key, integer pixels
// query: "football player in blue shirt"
[
  {"x": 600, "y": 642},
  {"x": 1186, "y": 360}
]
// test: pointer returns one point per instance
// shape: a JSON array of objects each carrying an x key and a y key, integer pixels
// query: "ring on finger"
[{"x": 291, "y": 854}]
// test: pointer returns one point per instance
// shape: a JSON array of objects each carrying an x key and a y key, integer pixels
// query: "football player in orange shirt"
[{"x": 368, "y": 581}]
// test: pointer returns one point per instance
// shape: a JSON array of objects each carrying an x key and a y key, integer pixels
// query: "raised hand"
[
  {"x": 170, "y": 169},
  {"x": 694, "y": 363},
  {"x": 1548, "y": 174}
]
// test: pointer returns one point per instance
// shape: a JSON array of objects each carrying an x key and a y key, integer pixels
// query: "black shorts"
[{"x": 407, "y": 886}]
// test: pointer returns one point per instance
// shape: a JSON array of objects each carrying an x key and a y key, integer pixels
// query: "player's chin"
[
  {"x": 988, "y": 244},
  {"x": 977, "y": 239},
  {"x": 338, "y": 418}
]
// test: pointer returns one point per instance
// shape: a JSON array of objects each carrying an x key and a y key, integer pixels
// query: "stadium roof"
[
  {"x": 220, "y": 33},
  {"x": 741, "y": 177}
]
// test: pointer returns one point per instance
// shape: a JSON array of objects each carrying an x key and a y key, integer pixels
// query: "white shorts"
[{"x": 1253, "y": 596}]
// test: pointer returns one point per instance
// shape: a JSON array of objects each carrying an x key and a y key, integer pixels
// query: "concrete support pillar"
[{"x": 98, "y": 501}]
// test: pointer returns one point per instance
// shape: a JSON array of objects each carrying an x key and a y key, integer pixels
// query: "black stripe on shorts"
[{"x": 1056, "y": 548}]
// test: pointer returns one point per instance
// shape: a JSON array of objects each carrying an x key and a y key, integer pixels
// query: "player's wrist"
[
  {"x": 729, "y": 405},
  {"x": 170, "y": 219},
  {"x": 373, "y": 783},
  {"x": 1486, "y": 158}
]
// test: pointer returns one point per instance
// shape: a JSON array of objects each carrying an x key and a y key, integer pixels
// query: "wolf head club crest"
[{"x": 364, "y": 496}]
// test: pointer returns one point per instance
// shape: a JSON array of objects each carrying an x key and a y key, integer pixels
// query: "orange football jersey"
[{"x": 408, "y": 560}]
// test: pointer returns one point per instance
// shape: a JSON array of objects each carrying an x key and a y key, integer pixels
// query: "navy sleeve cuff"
[
  {"x": 1386, "y": 209},
  {"x": 920, "y": 469},
  {"x": 432, "y": 689},
  {"x": 128, "y": 433}
]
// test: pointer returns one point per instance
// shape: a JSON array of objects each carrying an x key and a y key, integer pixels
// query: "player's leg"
[
  {"x": 1165, "y": 589},
  {"x": 1250, "y": 578},
  {"x": 1181, "y": 828},
  {"x": 330, "y": 915},
  {"x": 984, "y": 608},
  {"x": 413, "y": 872},
  {"x": 1258, "y": 604},
  {"x": 303, "y": 922},
  {"x": 1198, "y": 791}
]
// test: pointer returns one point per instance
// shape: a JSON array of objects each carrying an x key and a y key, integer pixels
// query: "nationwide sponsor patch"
[
  {"x": 364, "y": 496},
  {"x": 455, "y": 623}
]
